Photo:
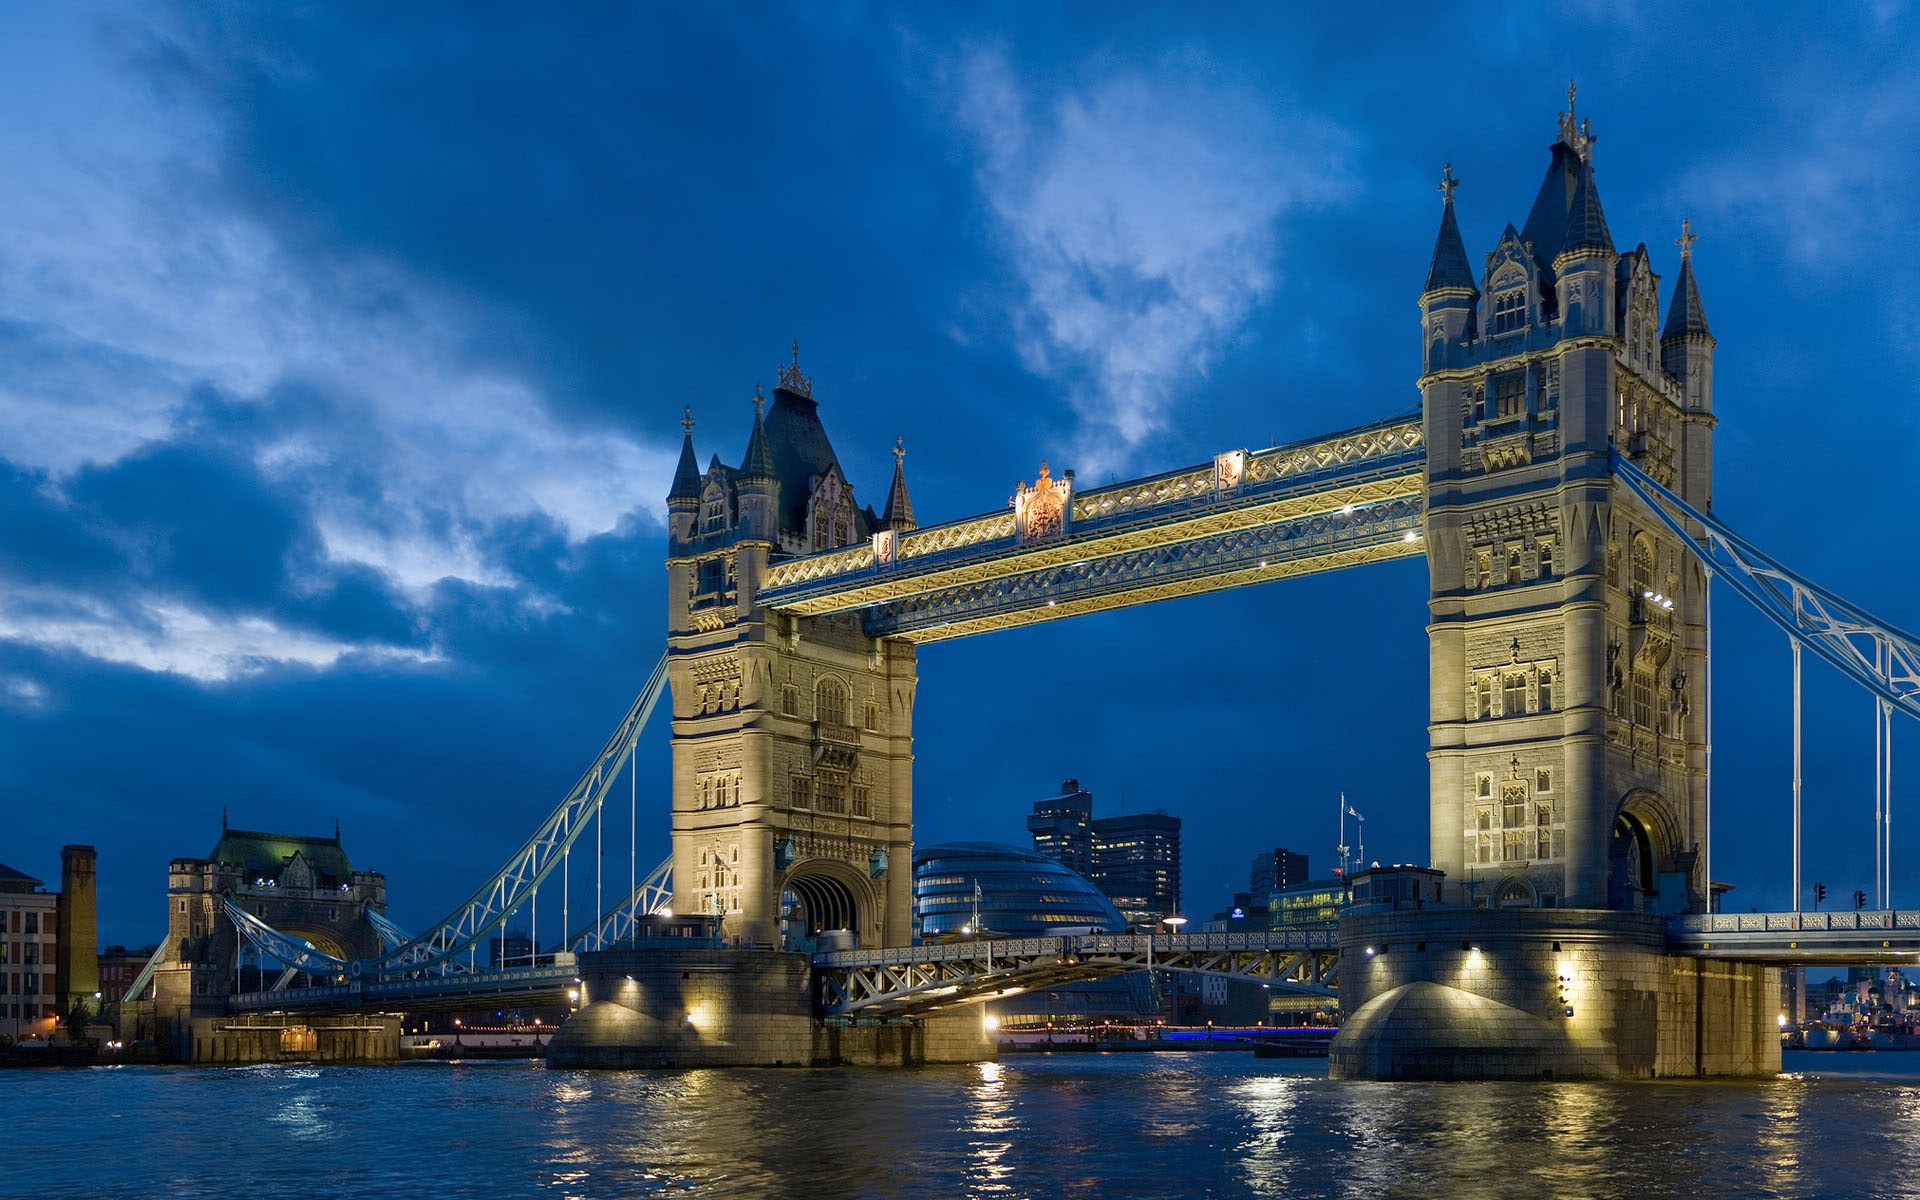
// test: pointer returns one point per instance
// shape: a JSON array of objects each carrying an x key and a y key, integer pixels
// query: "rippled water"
[{"x": 1032, "y": 1126}]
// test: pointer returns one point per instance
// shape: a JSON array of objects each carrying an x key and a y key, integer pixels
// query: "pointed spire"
[
  {"x": 1449, "y": 268},
  {"x": 1686, "y": 316},
  {"x": 1586, "y": 223},
  {"x": 758, "y": 463},
  {"x": 899, "y": 513},
  {"x": 1574, "y": 132},
  {"x": 686, "y": 478}
]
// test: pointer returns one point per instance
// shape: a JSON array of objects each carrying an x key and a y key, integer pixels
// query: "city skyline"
[{"x": 347, "y": 354}]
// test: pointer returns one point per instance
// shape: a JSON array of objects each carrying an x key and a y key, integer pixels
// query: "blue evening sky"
[{"x": 343, "y": 349}]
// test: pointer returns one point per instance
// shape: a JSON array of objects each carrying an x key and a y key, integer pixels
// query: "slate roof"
[
  {"x": 16, "y": 881},
  {"x": 1449, "y": 268},
  {"x": 1686, "y": 316},
  {"x": 801, "y": 451},
  {"x": 1586, "y": 225}
]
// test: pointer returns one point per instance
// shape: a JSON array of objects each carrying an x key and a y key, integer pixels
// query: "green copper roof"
[{"x": 267, "y": 853}]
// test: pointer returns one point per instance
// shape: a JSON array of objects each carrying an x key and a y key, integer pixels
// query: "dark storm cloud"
[{"x": 594, "y": 172}]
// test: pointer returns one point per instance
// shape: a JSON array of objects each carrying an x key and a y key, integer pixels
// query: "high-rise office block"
[
  {"x": 1062, "y": 827},
  {"x": 1276, "y": 869}
]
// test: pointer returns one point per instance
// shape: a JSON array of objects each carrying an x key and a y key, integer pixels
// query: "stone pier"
[
  {"x": 702, "y": 1007},
  {"x": 1538, "y": 993}
]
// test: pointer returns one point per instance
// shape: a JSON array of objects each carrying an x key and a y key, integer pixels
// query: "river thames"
[{"x": 1080, "y": 1125}]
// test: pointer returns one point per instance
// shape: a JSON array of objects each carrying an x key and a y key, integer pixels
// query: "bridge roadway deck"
[
  {"x": 545, "y": 984},
  {"x": 1887, "y": 937},
  {"x": 919, "y": 979},
  {"x": 912, "y": 980}
]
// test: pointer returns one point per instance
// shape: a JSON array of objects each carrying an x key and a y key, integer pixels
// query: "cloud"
[
  {"x": 1142, "y": 217},
  {"x": 260, "y": 453},
  {"x": 161, "y": 636},
  {"x": 1826, "y": 176}
]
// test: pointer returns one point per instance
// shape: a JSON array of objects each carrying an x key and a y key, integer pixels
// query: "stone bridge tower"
[
  {"x": 1568, "y": 629},
  {"x": 303, "y": 886},
  {"x": 792, "y": 736}
]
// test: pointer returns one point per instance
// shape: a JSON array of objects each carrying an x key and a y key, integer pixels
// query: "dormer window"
[
  {"x": 1509, "y": 310},
  {"x": 713, "y": 510}
]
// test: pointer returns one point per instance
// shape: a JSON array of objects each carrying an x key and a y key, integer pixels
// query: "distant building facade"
[
  {"x": 47, "y": 944},
  {"x": 1134, "y": 859},
  {"x": 1275, "y": 869},
  {"x": 1136, "y": 862},
  {"x": 1062, "y": 827},
  {"x": 1010, "y": 891},
  {"x": 29, "y": 925}
]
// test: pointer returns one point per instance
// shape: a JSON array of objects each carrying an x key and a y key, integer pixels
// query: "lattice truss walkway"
[{"x": 1247, "y": 517}]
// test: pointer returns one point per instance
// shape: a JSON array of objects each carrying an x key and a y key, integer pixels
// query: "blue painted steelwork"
[
  {"x": 391, "y": 935},
  {"x": 652, "y": 895},
  {"x": 919, "y": 979},
  {"x": 470, "y": 924},
  {"x": 283, "y": 948},
  {"x": 1874, "y": 654},
  {"x": 144, "y": 979}
]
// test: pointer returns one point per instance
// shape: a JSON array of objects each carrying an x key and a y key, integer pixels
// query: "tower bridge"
[{"x": 1557, "y": 478}]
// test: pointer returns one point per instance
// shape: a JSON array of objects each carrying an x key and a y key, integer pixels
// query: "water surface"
[{"x": 1080, "y": 1125}]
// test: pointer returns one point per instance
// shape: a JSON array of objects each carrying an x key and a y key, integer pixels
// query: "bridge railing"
[
  {"x": 1291, "y": 940},
  {"x": 1843, "y": 921}
]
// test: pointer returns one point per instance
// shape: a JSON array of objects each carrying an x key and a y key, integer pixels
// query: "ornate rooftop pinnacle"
[
  {"x": 791, "y": 378},
  {"x": 1448, "y": 183},
  {"x": 759, "y": 400},
  {"x": 1574, "y": 132},
  {"x": 686, "y": 422},
  {"x": 899, "y": 513},
  {"x": 1686, "y": 239}
]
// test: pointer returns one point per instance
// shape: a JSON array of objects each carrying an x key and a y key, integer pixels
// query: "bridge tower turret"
[
  {"x": 792, "y": 736},
  {"x": 1567, "y": 632}
]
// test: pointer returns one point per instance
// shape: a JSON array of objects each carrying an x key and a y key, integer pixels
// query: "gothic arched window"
[{"x": 830, "y": 702}]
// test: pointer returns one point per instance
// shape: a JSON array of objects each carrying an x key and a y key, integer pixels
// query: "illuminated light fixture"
[
  {"x": 1263, "y": 562},
  {"x": 991, "y": 1021},
  {"x": 1346, "y": 510},
  {"x": 1413, "y": 535},
  {"x": 1569, "y": 1012},
  {"x": 1369, "y": 951},
  {"x": 1051, "y": 603},
  {"x": 629, "y": 979}
]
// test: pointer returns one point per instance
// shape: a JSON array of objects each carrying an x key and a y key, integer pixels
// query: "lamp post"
[{"x": 1173, "y": 924}]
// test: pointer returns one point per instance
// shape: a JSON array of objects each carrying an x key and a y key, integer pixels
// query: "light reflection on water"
[{"x": 1069, "y": 1125}]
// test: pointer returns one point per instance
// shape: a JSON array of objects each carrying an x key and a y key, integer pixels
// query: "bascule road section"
[
  {"x": 925, "y": 979},
  {"x": 1055, "y": 551}
]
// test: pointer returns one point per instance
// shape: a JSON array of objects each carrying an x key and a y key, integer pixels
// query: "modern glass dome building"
[{"x": 1012, "y": 892}]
